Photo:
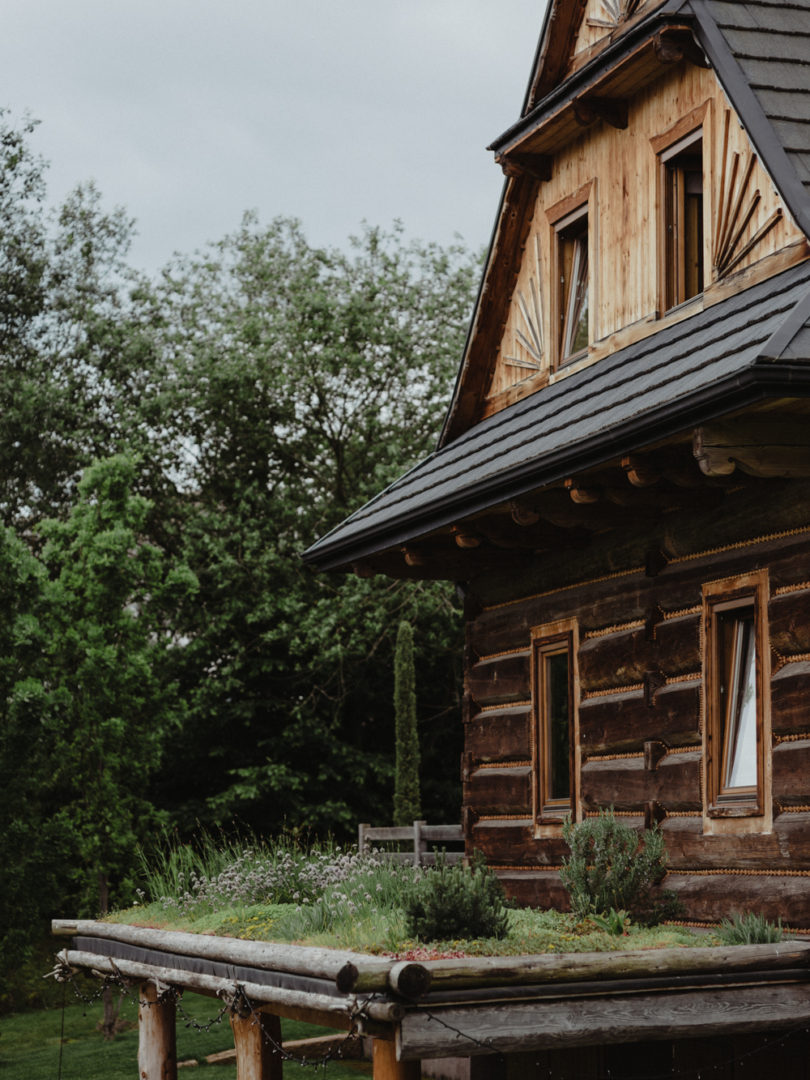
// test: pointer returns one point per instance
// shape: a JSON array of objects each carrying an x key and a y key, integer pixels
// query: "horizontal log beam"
[
  {"x": 617, "y": 659},
  {"x": 625, "y": 784},
  {"x": 758, "y": 446},
  {"x": 514, "y": 1027},
  {"x": 787, "y": 847},
  {"x": 501, "y": 680},
  {"x": 790, "y": 699},
  {"x": 330, "y": 964},
  {"x": 600, "y": 601},
  {"x": 623, "y": 722},
  {"x": 493, "y": 736},
  {"x": 788, "y": 623},
  {"x": 500, "y": 791},
  {"x": 482, "y": 971},
  {"x": 791, "y": 773},
  {"x": 534, "y": 888},
  {"x": 294, "y": 1004},
  {"x": 513, "y": 842},
  {"x": 712, "y": 897}
]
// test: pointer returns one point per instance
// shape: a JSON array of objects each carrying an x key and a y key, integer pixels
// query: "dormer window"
[
  {"x": 572, "y": 222},
  {"x": 572, "y": 243},
  {"x": 682, "y": 196}
]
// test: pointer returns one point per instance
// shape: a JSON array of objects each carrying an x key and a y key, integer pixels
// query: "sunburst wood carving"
[
  {"x": 529, "y": 306},
  {"x": 737, "y": 202},
  {"x": 616, "y": 12}
]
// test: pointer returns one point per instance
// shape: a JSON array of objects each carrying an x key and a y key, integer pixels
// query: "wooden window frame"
[
  {"x": 561, "y": 217},
  {"x": 552, "y": 639},
  {"x": 666, "y": 146},
  {"x": 747, "y": 592}
]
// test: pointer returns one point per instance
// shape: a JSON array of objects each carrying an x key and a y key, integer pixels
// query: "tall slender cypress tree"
[{"x": 406, "y": 779}]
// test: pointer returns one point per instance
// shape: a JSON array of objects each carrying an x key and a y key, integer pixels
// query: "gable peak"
[{"x": 572, "y": 32}]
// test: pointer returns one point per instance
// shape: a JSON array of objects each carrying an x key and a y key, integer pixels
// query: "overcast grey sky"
[{"x": 189, "y": 112}]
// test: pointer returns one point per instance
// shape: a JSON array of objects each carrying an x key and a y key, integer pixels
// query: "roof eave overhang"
[
  {"x": 761, "y": 381},
  {"x": 635, "y": 59}
]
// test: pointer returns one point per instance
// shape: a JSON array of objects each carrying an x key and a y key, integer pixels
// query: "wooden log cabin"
[{"x": 622, "y": 486}]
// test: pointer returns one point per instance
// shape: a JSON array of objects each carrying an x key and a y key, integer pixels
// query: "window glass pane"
[
  {"x": 577, "y": 320},
  {"x": 573, "y": 256},
  {"x": 557, "y": 729},
  {"x": 740, "y": 735}
]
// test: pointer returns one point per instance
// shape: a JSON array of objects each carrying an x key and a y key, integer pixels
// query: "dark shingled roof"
[
  {"x": 742, "y": 349},
  {"x": 760, "y": 50}
]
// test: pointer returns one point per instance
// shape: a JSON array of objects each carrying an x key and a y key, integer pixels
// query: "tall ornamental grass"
[
  {"x": 217, "y": 872},
  {"x": 344, "y": 895}
]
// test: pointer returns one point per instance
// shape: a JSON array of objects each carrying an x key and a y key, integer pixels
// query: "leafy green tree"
[
  {"x": 302, "y": 380},
  {"x": 72, "y": 367},
  {"x": 407, "y": 807},
  {"x": 111, "y": 698},
  {"x": 30, "y": 847}
]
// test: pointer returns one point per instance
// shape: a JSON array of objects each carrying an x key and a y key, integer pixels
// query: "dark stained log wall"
[
  {"x": 790, "y": 699},
  {"x": 621, "y": 722},
  {"x": 639, "y": 665}
]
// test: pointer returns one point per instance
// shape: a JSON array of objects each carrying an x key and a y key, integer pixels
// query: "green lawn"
[{"x": 29, "y": 1045}]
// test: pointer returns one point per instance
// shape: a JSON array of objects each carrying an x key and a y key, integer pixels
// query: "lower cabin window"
[
  {"x": 735, "y": 695},
  {"x": 553, "y": 694}
]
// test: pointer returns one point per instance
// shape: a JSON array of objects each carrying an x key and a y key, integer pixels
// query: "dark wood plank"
[
  {"x": 711, "y": 897},
  {"x": 499, "y": 735},
  {"x": 622, "y": 722},
  {"x": 618, "y": 659},
  {"x": 732, "y": 521},
  {"x": 789, "y": 622},
  {"x": 687, "y": 847},
  {"x": 535, "y": 888},
  {"x": 625, "y": 784},
  {"x": 500, "y": 680},
  {"x": 501, "y": 791},
  {"x": 614, "y": 1018},
  {"x": 512, "y": 843},
  {"x": 790, "y": 699},
  {"x": 791, "y": 773}
]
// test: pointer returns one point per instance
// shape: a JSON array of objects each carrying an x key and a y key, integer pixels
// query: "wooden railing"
[{"x": 423, "y": 841}]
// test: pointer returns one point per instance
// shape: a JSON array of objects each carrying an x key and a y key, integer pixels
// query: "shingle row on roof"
[{"x": 771, "y": 43}]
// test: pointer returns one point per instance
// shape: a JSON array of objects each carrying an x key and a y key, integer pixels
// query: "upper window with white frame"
[{"x": 574, "y": 277}]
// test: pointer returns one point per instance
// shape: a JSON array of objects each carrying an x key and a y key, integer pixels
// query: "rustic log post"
[
  {"x": 386, "y": 1066},
  {"x": 157, "y": 1045},
  {"x": 361, "y": 837},
  {"x": 256, "y": 1038}
]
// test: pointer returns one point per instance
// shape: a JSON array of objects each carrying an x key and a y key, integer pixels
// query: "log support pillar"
[
  {"x": 386, "y": 1066},
  {"x": 157, "y": 1045},
  {"x": 255, "y": 1038}
]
